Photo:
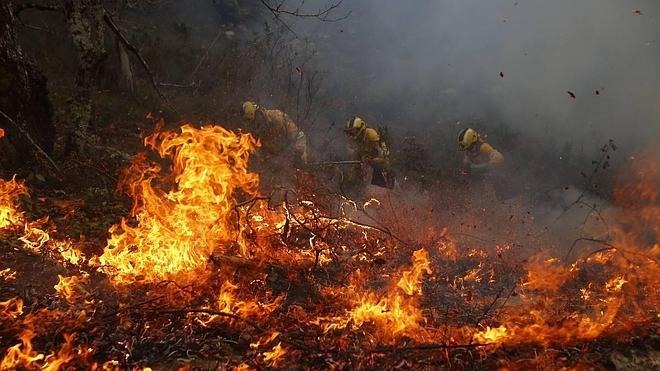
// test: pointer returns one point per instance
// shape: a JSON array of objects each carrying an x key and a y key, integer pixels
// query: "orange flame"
[
  {"x": 35, "y": 236},
  {"x": 275, "y": 356},
  {"x": 9, "y": 194},
  {"x": 11, "y": 308},
  {"x": 410, "y": 281},
  {"x": 70, "y": 288},
  {"x": 394, "y": 315},
  {"x": 7, "y": 274},
  {"x": 178, "y": 226},
  {"x": 21, "y": 354},
  {"x": 491, "y": 335}
]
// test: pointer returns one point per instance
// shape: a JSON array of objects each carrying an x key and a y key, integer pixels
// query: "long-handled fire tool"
[{"x": 331, "y": 163}]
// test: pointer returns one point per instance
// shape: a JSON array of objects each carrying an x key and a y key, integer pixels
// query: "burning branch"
[{"x": 609, "y": 246}]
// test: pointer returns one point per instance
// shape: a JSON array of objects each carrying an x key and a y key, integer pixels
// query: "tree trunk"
[
  {"x": 126, "y": 75},
  {"x": 85, "y": 20},
  {"x": 23, "y": 100}
]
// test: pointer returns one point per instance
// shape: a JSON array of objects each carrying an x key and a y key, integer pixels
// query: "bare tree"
[
  {"x": 280, "y": 9},
  {"x": 86, "y": 26},
  {"x": 86, "y": 21},
  {"x": 25, "y": 111}
]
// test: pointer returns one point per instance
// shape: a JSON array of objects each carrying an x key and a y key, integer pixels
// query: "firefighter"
[
  {"x": 479, "y": 155},
  {"x": 484, "y": 162},
  {"x": 277, "y": 130},
  {"x": 371, "y": 150}
]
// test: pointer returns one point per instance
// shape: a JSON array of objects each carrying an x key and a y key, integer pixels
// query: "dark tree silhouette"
[{"x": 25, "y": 111}]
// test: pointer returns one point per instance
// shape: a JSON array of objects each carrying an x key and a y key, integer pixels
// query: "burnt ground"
[{"x": 151, "y": 325}]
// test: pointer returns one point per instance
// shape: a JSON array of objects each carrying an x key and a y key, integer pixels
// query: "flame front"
[
  {"x": 206, "y": 205},
  {"x": 180, "y": 219}
]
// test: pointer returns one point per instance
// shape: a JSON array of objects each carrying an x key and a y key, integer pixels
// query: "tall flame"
[
  {"x": 180, "y": 219},
  {"x": 411, "y": 282}
]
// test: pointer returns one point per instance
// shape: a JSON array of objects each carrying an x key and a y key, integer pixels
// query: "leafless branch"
[
  {"x": 206, "y": 54},
  {"x": 34, "y": 144},
  {"x": 282, "y": 337},
  {"x": 325, "y": 14},
  {"x": 277, "y": 8},
  {"x": 120, "y": 36},
  {"x": 429, "y": 347},
  {"x": 192, "y": 85},
  {"x": 26, "y": 6},
  {"x": 608, "y": 246},
  {"x": 604, "y": 158}
]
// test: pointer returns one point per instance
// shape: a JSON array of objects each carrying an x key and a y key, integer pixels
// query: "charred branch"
[
  {"x": 279, "y": 7},
  {"x": 429, "y": 347},
  {"x": 37, "y": 149},
  {"x": 124, "y": 41},
  {"x": 23, "y": 99},
  {"x": 236, "y": 317},
  {"x": 49, "y": 8}
]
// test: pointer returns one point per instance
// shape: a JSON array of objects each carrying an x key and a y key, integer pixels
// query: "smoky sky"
[{"x": 421, "y": 63}]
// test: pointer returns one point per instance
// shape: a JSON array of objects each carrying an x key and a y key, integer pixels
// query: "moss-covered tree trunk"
[
  {"x": 85, "y": 21},
  {"x": 23, "y": 99}
]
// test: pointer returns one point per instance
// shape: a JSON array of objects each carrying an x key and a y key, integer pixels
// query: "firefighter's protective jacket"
[
  {"x": 369, "y": 145},
  {"x": 282, "y": 134},
  {"x": 483, "y": 153}
]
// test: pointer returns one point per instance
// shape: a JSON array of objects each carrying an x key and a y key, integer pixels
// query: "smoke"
[{"x": 418, "y": 65}]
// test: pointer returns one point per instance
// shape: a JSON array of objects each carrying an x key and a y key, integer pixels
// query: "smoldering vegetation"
[{"x": 557, "y": 273}]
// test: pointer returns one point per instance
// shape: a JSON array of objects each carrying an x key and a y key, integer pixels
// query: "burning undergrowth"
[{"x": 206, "y": 271}]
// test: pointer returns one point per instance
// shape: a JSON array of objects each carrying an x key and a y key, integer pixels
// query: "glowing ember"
[{"x": 7, "y": 274}]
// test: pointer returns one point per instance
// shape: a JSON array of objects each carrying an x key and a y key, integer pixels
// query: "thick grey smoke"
[{"x": 417, "y": 64}]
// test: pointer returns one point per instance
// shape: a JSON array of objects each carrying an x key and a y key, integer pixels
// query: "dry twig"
[{"x": 34, "y": 144}]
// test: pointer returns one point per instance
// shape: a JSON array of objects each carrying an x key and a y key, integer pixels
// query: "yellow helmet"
[
  {"x": 250, "y": 110},
  {"x": 355, "y": 124},
  {"x": 467, "y": 137}
]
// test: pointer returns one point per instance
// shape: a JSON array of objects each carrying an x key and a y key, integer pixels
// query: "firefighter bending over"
[
  {"x": 279, "y": 134},
  {"x": 479, "y": 155},
  {"x": 372, "y": 151}
]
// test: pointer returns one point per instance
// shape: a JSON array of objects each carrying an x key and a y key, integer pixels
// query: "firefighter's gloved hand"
[{"x": 367, "y": 160}]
